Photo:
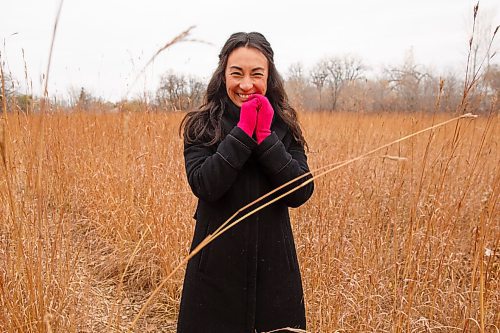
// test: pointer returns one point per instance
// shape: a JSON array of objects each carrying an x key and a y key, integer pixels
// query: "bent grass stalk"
[
  {"x": 182, "y": 37},
  {"x": 289, "y": 329},
  {"x": 227, "y": 224}
]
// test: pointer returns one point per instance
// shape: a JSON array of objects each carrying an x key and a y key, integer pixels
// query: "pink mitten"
[
  {"x": 264, "y": 119},
  {"x": 248, "y": 115}
]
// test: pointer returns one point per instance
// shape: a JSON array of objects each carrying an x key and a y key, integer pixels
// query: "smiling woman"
[{"x": 243, "y": 142}]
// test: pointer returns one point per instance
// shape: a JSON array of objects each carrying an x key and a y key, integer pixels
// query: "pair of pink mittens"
[{"x": 256, "y": 116}]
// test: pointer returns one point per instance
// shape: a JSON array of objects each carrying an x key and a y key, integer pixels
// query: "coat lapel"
[{"x": 279, "y": 127}]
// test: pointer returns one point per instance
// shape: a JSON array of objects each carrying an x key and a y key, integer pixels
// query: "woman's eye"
[
  {"x": 236, "y": 74},
  {"x": 258, "y": 74}
]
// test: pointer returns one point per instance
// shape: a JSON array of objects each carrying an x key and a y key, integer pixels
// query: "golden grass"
[{"x": 96, "y": 214}]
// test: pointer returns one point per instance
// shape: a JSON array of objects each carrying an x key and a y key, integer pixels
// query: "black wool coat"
[{"x": 248, "y": 279}]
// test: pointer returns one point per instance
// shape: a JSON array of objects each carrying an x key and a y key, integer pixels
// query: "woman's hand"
[
  {"x": 248, "y": 114},
  {"x": 264, "y": 119}
]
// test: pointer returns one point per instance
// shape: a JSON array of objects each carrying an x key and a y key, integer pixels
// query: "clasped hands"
[{"x": 256, "y": 116}]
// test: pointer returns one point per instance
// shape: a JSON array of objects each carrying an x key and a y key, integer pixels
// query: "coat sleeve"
[
  {"x": 209, "y": 174},
  {"x": 282, "y": 165}
]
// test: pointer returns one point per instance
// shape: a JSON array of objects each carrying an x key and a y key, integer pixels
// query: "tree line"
[
  {"x": 345, "y": 83},
  {"x": 334, "y": 83}
]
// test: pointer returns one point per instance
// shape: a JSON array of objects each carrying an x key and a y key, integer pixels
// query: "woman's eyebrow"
[{"x": 241, "y": 69}]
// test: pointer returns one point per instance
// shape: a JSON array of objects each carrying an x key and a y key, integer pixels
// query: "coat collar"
[{"x": 231, "y": 116}]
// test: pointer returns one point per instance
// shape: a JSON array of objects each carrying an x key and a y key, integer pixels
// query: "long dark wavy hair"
[{"x": 205, "y": 123}]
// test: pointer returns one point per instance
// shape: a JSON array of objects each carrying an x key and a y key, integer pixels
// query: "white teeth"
[{"x": 243, "y": 96}]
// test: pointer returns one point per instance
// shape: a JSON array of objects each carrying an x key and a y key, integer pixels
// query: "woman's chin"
[{"x": 238, "y": 101}]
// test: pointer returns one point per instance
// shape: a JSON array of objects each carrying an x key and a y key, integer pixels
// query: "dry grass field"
[{"x": 95, "y": 212}]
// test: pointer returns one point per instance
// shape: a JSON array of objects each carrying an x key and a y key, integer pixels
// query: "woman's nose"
[{"x": 246, "y": 84}]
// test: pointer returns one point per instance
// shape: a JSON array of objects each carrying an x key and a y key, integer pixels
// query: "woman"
[{"x": 243, "y": 142}]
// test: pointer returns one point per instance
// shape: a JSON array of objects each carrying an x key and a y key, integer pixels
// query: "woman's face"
[{"x": 246, "y": 74}]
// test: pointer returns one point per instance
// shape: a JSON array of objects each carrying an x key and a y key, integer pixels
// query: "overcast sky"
[{"x": 103, "y": 44}]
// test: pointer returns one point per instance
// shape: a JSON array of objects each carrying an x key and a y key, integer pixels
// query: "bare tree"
[
  {"x": 178, "y": 92},
  {"x": 492, "y": 78},
  {"x": 84, "y": 100},
  {"x": 296, "y": 84},
  {"x": 319, "y": 75},
  {"x": 195, "y": 89},
  {"x": 452, "y": 89},
  {"x": 172, "y": 87},
  {"x": 492, "y": 85},
  {"x": 7, "y": 88},
  {"x": 342, "y": 71},
  {"x": 406, "y": 80},
  {"x": 296, "y": 72}
]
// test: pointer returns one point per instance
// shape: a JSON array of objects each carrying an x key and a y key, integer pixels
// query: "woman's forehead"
[{"x": 247, "y": 57}]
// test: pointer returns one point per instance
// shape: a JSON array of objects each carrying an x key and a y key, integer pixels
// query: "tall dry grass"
[{"x": 95, "y": 216}]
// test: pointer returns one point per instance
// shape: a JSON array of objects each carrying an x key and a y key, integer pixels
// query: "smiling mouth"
[{"x": 244, "y": 96}]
